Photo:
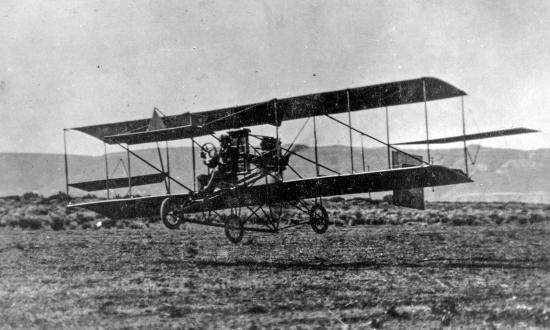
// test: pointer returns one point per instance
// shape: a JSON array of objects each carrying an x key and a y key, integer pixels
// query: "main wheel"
[
  {"x": 318, "y": 218},
  {"x": 234, "y": 228},
  {"x": 170, "y": 213}
]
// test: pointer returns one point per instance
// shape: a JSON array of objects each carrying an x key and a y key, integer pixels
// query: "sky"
[{"x": 76, "y": 63}]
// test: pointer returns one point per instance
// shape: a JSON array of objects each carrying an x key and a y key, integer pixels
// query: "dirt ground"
[{"x": 406, "y": 276}]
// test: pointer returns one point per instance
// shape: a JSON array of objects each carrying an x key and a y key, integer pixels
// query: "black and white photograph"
[{"x": 275, "y": 164}]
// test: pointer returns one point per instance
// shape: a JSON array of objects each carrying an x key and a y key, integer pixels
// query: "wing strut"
[
  {"x": 426, "y": 119},
  {"x": 66, "y": 162},
  {"x": 316, "y": 152},
  {"x": 464, "y": 135},
  {"x": 194, "y": 165},
  {"x": 350, "y": 135},
  {"x": 162, "y": 168},
  {"x": 387, "y": 137},
  {"x": 168, "y": 166},
  {"x": 130, "y": 171},
  {"x": 106, "y": 170}
]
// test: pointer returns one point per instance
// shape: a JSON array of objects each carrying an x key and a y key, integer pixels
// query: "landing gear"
[
  {"x": 234, "y": 228},
  {"x": 318, "y": 218},
  {"x": 170, "y": 213}
]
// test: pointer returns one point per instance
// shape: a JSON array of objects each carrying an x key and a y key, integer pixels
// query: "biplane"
[{"x": 244, "y": 188}]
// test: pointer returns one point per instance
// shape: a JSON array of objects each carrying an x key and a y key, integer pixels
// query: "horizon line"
[{"x": 297, "y": 144}]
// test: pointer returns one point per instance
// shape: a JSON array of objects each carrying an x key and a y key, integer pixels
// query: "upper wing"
[
  {"x": 476, "y": 136},
  {"x": 274, "y": 111}
]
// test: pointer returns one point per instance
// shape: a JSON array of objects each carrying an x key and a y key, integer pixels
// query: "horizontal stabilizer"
[
  {"x": 476, "y": 136},
  {"x": 138, "y": 180}
]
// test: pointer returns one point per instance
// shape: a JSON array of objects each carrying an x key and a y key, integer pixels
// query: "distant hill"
[{"x": 499, "y": 174}]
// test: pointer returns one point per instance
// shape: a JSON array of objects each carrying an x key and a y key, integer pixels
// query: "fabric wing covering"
[
  {"x": 476, "y": 136},
  {"x": 272, "y": 112}
]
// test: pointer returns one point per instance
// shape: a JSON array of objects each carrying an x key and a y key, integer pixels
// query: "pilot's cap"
[
  {"x": 225, "y": 140},
  {"x": 268, "y": 143}
]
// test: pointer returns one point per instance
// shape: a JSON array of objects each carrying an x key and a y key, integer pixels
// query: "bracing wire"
[
  {"x": 473, "y": 159},
  {"x": 120, "y": 161}
]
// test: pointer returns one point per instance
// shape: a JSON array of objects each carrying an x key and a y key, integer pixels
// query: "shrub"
[
  {"x": 57, "y": 223},
  {"x": 60, "y": 196},
  {"x": 30, "y": 195},
  {"x": 11, "y": 220},
  {"x": 85, "y": 217},
  {"x": 377, "y": 221},
  {"x": 90, "y": 196},
  {"x": 30, "y": 223},
  {"x": 339, "y": 222},
  {"x": 359, "y": 218},
  {"x": 393, "y": 221},
  {"x": 108, "y": 223},
  {"x": 70, "y": 211},
  {"x": 536, "y": 218},
  {"x": 36, "y": 210},
  {"x": 136, "y": 225},
  {"x": 458, "y": 221},
  {"x": 418, "y": 217},
  {"x": 14, "y": 198},
  {"x": 496, "y": 218},
  {"x": 523, "y": 219},
  {"x": 511, "y": 218},
  {"x": 469, "y": 219}
]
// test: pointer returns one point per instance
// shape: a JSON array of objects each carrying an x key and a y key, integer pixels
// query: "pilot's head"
[
  {"x": 268, "y": 143},
  {"x": 225, "y": 141}
]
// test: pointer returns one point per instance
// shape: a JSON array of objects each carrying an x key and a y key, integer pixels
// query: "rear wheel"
[
  {"x": 170, "y": 213},
  {"x": 234, "y": 228},
  {"x": 318, "y": 219}
]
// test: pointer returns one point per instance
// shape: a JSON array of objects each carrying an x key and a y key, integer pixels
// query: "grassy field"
[
  {"x": 413, "y": 275},
  {"x": 32, "y": 211}
]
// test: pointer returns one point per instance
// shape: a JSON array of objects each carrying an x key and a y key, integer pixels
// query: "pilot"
[{"x": 221, "y": 164}]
